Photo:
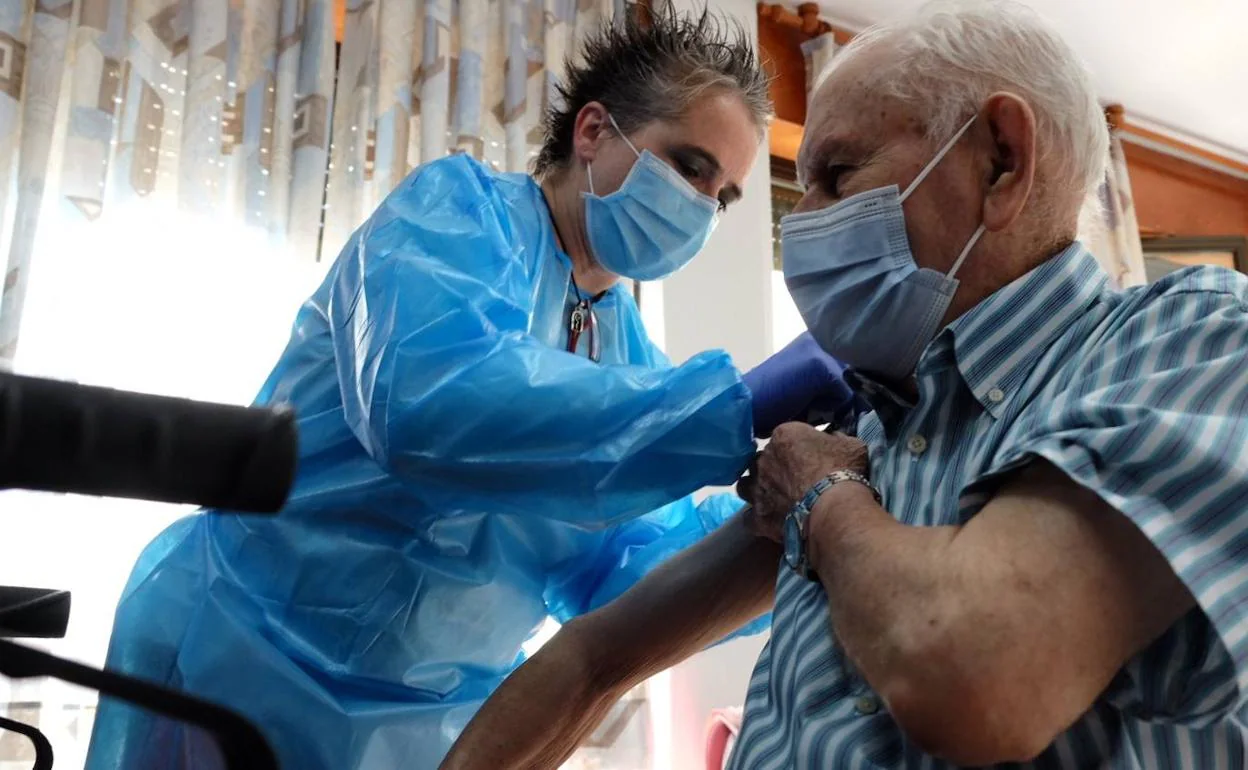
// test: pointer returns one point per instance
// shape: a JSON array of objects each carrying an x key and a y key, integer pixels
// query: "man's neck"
[{"x": 1012, "y": 258}]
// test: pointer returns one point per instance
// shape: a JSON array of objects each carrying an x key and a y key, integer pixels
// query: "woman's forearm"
[
  {"x": 541, "y": 713},
  {"x": 556, "y": 699},
  {"x": 692, "y": 601}
]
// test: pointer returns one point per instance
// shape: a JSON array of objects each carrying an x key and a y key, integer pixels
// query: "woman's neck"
[{"x": 568, "y": 212}]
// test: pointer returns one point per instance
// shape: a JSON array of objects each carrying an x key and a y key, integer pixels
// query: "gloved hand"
[{"x": 797, "y": 381}]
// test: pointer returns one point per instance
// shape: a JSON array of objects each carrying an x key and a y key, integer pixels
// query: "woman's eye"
[{"x": 687, "y": 169}]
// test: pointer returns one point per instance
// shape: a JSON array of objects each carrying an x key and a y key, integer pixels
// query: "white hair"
[{"x": 951, "y": 55}]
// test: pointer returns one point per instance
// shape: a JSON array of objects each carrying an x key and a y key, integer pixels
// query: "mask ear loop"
[
  {"x": 936, "y": 160},
  {"x": 589, "y": 167},
  {"x": 616, "y": 126},
  {"x": 957, "y": 263},
  {"x": 923, "y": 175}
]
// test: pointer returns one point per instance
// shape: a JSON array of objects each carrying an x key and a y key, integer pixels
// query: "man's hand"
[{"x": 795, "y": 460}]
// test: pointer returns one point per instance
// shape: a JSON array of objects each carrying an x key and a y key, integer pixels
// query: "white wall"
[{"x": 722, "y": 300}]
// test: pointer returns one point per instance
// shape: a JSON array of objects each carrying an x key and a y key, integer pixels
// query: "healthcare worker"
[{"x": 488, "y": 438}]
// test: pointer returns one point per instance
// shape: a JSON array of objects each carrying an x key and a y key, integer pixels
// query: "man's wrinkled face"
[{"x": 857, "y": 140}]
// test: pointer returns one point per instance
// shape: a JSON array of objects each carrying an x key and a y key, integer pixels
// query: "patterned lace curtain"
[
  {"x": 181, "y": 120},
  {"x": 422, "y": 79},
  {"x": 1109, "y": 227},
  {"x": 210, "y": 110}
]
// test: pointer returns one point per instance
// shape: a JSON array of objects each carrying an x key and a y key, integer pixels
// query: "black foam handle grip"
[
  {"x": 64, "y": 437},
  {"x": 34, "y": 613}
]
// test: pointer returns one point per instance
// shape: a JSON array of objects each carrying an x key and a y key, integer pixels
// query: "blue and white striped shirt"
[{"x": 1139, "y": 395}]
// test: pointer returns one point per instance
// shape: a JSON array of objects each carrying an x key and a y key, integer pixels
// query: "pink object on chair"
[{"x": 721, "y": 733}]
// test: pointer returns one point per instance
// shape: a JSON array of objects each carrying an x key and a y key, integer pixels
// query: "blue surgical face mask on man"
[
  {"x": 854, "y": 279},
  {"x": 653, "y": 225}
]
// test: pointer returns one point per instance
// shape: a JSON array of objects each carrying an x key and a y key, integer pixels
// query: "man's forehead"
[
  {"x": 838, "y": 124},
  {"x": 849, "y": 119}
]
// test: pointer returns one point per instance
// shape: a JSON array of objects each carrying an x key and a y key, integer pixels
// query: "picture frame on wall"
[{"x": 1165, "y": 255}]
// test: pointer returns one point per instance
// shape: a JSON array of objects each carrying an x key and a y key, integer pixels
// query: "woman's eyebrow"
[{"x": 702, "y": 154}]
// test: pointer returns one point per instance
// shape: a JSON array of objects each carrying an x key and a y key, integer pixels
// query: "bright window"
[
  {"x": 154, "y": 303},
  {"x": 786, "y": 322}
]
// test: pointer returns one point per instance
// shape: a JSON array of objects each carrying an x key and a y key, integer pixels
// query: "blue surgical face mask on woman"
[
  {"x": 653, "y": 225},
  {"x": 856, "y": 284}
]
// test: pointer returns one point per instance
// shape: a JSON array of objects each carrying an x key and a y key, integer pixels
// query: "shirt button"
[
  {"x": 996, "y": 395},
  {"x": 866, "y": 705},
  {"x": 917, "y": 444}
]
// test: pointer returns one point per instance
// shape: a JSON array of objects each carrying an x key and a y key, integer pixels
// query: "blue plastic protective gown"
[{"x": 462, "y": 476}]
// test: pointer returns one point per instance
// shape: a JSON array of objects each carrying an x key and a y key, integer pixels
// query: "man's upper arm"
[
  {"x": 691, "y": 601},
  {"x": 1083, "y": 586},
  {"x": 1141, "y": 508}
]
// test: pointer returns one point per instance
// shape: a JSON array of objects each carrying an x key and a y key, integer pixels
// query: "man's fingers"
[
  {"x": 759, "y": 525},
  {"x": 771, "y": 505},
  {"x": 746, "y": 487},
  {"x": 750, "y": 517}
]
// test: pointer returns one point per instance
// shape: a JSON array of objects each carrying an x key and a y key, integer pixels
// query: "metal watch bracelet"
[{"x": 797, "y": 523}]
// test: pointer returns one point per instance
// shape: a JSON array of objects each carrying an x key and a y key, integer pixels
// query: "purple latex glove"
[{"x": 796, "y": 382}]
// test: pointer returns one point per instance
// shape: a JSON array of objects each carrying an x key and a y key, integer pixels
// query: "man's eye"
[{"x": 829, "y": 179}]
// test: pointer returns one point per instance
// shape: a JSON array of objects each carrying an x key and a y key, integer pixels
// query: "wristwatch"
[{"x": 797, "y": 523}]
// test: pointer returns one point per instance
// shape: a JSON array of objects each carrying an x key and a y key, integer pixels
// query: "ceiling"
[{"x": 1180, "y": 65}]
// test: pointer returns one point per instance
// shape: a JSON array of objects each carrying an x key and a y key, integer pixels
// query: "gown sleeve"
[
  {"x": 637, "y": 547},
  {"x": 429, "y": 312}
]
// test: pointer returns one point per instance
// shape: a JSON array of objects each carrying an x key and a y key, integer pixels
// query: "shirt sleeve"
[
  {"x": 1155, "y": 421},
  {"x": 429, "y": 311}
]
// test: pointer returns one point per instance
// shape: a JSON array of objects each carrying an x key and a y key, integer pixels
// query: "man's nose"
[{"x": 812, "y": 200}]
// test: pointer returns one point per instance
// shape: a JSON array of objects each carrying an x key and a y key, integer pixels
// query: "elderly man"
[{"x": 1036, "y": 549}]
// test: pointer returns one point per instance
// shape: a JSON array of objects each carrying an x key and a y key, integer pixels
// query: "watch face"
[{"x": 792, "y": 543}]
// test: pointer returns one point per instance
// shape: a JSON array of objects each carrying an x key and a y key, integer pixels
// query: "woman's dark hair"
[{"x": 645, "y": 69}]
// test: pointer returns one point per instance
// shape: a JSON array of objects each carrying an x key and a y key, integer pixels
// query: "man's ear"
[
  {"x": 588, "y": 131},
  {"x": 1012, "y": 126}
]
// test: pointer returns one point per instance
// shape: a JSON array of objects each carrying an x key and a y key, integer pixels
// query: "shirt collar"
[
  {"x": 875, "y": 392},
  {"x": 996, "y": 343}
]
